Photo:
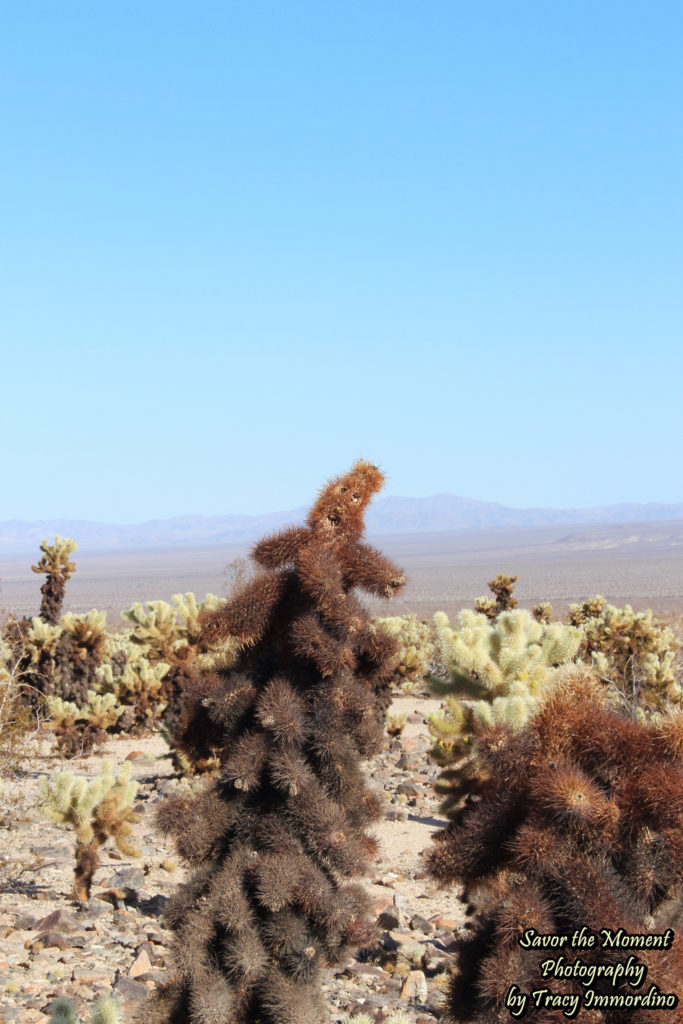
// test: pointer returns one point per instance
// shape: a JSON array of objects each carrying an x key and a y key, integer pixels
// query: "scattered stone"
[
  {"x": 97, "y": 906},
  {"x": 129, "y": 879},
  {"x": 60, "y": 920},
  {"x": 91, "y": 975},
  {"x": 141, "y": 965},
  {"x": 389, "y": 920},
  {"x": 129, "y": 991},
  {"x": 415, "y": 987},
  {"x": 26, "y": 922}
]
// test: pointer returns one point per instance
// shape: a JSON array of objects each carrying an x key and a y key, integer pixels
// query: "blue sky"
[{"x": 244, "y": 243}]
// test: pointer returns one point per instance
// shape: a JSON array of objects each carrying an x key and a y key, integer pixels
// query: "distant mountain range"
[{"x": 441, "y": 512}]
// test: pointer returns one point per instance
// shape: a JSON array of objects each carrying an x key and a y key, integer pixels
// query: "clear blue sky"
[{"x": 245, "y": 242}]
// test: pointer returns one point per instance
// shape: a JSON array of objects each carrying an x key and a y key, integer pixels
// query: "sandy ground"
[{"x": 119, "y": 943}]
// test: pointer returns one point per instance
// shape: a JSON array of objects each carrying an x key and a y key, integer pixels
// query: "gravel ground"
[{"x": 51, "y": 946}]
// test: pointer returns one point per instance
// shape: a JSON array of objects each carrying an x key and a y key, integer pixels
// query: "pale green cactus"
[
  {"x": 487, "y": 656},
  {"x": 92, "y": 623},
  {"x": 165, "y": 629},
  {"x": 5, "y": 662},
  {"x": 417, "y": 649},
  {"x": 138, "y": 677},
  {"x": 96, "y": 809},
  {"x": 63, "y": 1011},
  {"x": 64, "y": 712},
  {"x": 105, "y": 1011},
  {"x": 41, "y": 639},
  {"x": 633, "y": 652},
  {"x": 498, "y": 669}
]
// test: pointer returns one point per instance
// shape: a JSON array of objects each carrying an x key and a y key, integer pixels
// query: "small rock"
[
  {"x": 127, "y": 990},
  {"x": 97, "y": 907},
  {"x": 59, "y": 920},
  {"x": 90, "y": 975},
  {"x": 418, "y": 923},
  {"x": 129, "y": 878},
  {"x": 27, "y": 922},
  {"x": 389, "y": 920},
  {"x": 51, "y": 938},
  {"x": 141, "y": 965},
  {"x": 415, "y": 987}
]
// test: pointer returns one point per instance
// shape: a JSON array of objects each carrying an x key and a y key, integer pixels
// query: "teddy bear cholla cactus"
[
  {"x": 274, "y": 840},
  {"x": 507, "y": 663},
  {"x": 57, "y": 565},
  {"x": 580, "y": 823},
  {"x": 97, "y": 809}
]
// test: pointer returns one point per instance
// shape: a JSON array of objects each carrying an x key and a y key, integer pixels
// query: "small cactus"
[
  {"x": 97, "y": 809},
  {"x": 105, "y": 1011}
]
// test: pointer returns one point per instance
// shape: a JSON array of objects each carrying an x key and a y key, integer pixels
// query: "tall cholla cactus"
[
  {"x": 274, "y": 840},
  {"x": 506, "y": 663},
  {"x": 97, "y": 809},
  {"x": 580, "y": 824},
  {"x": 58, "y": 566}
]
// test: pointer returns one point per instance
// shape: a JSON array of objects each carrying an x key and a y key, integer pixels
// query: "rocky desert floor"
[{"x": 118, "y": 943}]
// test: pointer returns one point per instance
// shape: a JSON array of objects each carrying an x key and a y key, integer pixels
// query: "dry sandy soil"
[{"x": 118, "y": 941}]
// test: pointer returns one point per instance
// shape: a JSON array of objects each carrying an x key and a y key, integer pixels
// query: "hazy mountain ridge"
[{"x": 391, "y": 515}]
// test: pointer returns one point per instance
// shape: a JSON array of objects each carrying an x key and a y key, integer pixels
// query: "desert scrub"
[
  {"x": 632, "y": 652},
  {"x": 16, "y": 719},
  {"x": 274, "y": 842},
  {"x": 97, "y": 809},
  {"x": 497, "y": 670},
  {"x": 580, "y": 824}
]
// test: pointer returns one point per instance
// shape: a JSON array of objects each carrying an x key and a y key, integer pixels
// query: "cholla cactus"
[
  {"x": 136, "y": 685},
  {"x": 580, "y": 824},
  {"x": 97, "y": 809},
  {"x": 105, "y": 1011},
  {"x": 507, "y": 663},
  {"x": 501, "y": 586},
  {"x": 274, "y": 841},
  {"x": 543, "y": 612},
  {"x": 170, "y": 635},
  {"x": 632, "y": 651},
  {"x": 63, "y": 659},
  {"x": 58, "y": 566},
  {"x": 417, "y": 649},
  {"x": 78, "y": 729}
]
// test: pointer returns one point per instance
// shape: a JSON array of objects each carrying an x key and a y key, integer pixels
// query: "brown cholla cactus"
[
  {"x": 275, "y": 839},
  {"x": 501, "y": 586},
  {"x": 58, "y": 567},
  {"x": 580, "y": 824}
]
